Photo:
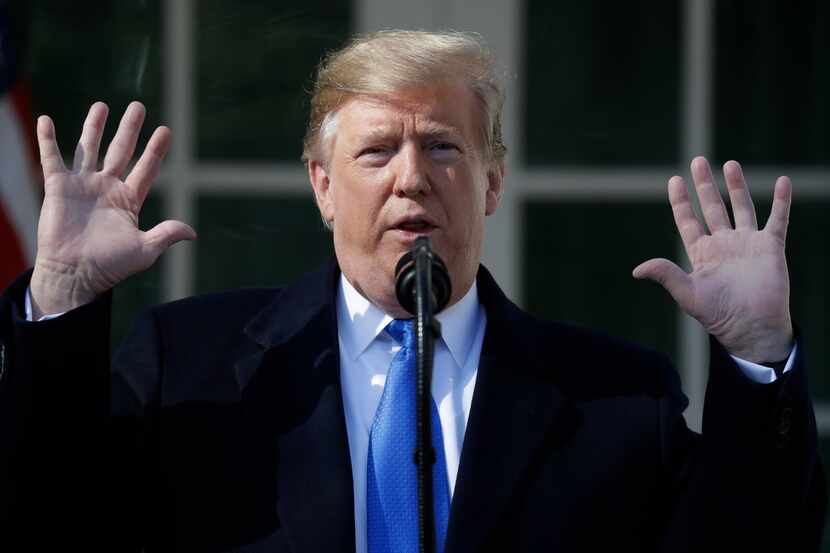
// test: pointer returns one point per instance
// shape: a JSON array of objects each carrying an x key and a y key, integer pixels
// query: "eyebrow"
[
  {"x": 432, "y": 130},
  {"x": 440, "y": 131}
]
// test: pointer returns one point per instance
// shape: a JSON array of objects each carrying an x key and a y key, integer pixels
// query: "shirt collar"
[{"x": 360, "y": 322}]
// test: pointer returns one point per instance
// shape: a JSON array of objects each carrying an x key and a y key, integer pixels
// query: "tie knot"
[{"x": 403, "y": 331}]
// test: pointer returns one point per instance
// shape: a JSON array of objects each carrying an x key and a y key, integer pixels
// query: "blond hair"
[{"x": 391, "y": 61}]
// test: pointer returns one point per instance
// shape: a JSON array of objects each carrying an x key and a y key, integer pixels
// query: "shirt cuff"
[
  {"x": 27, "y": 303},
  {"x": 760, "y": 373}
]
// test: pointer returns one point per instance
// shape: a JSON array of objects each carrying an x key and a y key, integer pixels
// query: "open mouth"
[
  {"x": 412, "y": 227},
  {"x": 416, "y": 226}
]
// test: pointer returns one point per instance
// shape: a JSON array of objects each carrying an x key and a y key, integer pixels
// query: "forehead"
[{"x": 441, "y": 109}]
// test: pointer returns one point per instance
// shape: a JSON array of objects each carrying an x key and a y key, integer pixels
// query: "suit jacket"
[{"x": 219, "y": 426}]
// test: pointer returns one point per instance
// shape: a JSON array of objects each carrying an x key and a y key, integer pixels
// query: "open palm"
[
  {"x": 88, "y": 235},
  {"x": 739, "y": 286}
]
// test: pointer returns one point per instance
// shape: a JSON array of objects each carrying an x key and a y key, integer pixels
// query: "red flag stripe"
[
  {"x": 17, "y": 189},
  {"x": 19, "y": 96},
  {"x": 12, "y": 261}
]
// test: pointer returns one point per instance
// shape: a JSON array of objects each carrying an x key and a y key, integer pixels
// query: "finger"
[
  {"x": 685, "y": 219},
  {"x": 671, "y": 277},
  {"x": 86, "y": 154},
  {"x": 711, "y": 203},
  {"x": 164, "y": 235},
  {"x": 123, "y": 144},
  {"x": 742, "y": 206},
  {"x": 50, "y": 154},
  {"x": 147, "y": 168},
  {"x": 779, "y": 216}
]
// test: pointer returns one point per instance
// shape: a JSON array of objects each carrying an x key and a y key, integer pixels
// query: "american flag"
[{"x": 19, "y": 177}]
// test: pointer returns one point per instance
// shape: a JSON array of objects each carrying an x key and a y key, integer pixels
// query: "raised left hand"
[{"x": 739, "y": 288}]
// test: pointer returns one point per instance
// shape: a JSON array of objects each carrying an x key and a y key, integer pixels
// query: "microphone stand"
[
  {"x": 416, "y": 294},
  {"x": 427, "y": 329}
]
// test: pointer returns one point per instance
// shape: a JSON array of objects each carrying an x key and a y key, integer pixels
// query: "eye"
[
  {"x": 443, "y": 146},
  {"x": 374, "y": 150},
  {"x": 374, "y": 156},
  {"x": 444, "y": 151}
]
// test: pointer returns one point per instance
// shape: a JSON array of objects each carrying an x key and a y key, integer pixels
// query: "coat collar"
[
  {"x": 295, "y": 306},
  {"x": 289, "y": 313}
]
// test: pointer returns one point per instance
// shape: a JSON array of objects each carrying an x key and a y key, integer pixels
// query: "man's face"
[{"x": 402, "y": 166}]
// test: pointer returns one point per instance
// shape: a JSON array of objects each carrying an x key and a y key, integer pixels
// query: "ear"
[
  {"x": 321, "y": 184},
  {"x": 495, "y": 187}
]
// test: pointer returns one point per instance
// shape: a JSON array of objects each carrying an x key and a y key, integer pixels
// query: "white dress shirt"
[{"x": 366, "y": 352}]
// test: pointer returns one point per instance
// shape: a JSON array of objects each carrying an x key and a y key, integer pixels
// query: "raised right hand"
[{"x": 88, "y": 238}]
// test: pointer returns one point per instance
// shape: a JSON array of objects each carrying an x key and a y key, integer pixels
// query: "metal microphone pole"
[
  {"x": 425, "y": 330},
  {"x": 416, "y": 294}
]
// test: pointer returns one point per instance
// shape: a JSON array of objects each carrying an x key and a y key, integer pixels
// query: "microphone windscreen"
[{"x": 405, "y": 277}]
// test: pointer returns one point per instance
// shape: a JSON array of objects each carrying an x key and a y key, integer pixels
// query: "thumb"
[
  {"x": 668, "y": 275},
  {"x": 165, "y": 234}
]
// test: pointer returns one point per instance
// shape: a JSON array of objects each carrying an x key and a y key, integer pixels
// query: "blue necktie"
[{"x": 392, "y": 475}]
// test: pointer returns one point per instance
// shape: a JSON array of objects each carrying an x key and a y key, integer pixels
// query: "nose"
[{"x": 411, "y": 175}]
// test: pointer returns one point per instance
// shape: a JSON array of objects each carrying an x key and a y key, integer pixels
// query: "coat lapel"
[
  {"x": 290, "y": 375},
  {"x": 515, "y": 416}
]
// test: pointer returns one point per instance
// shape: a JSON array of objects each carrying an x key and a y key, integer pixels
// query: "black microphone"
[{"x": 406, "y": 277}]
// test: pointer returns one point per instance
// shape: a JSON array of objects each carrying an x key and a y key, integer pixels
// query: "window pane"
[
  {"x": 83, "y": 51},
  {"x": 143, "y": 289},
  {"x": 579, "y": 258},
  {"x": 256, "y": 60},
  {"x": 603, "y": 82},
  {"x": 773, "y": 81},
  {"x": 808, "y": 257},
  {"x": 249, "y": 241}
]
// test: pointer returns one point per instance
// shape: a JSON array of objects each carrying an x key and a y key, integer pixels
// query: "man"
[{"x": 264, "y": 420}]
